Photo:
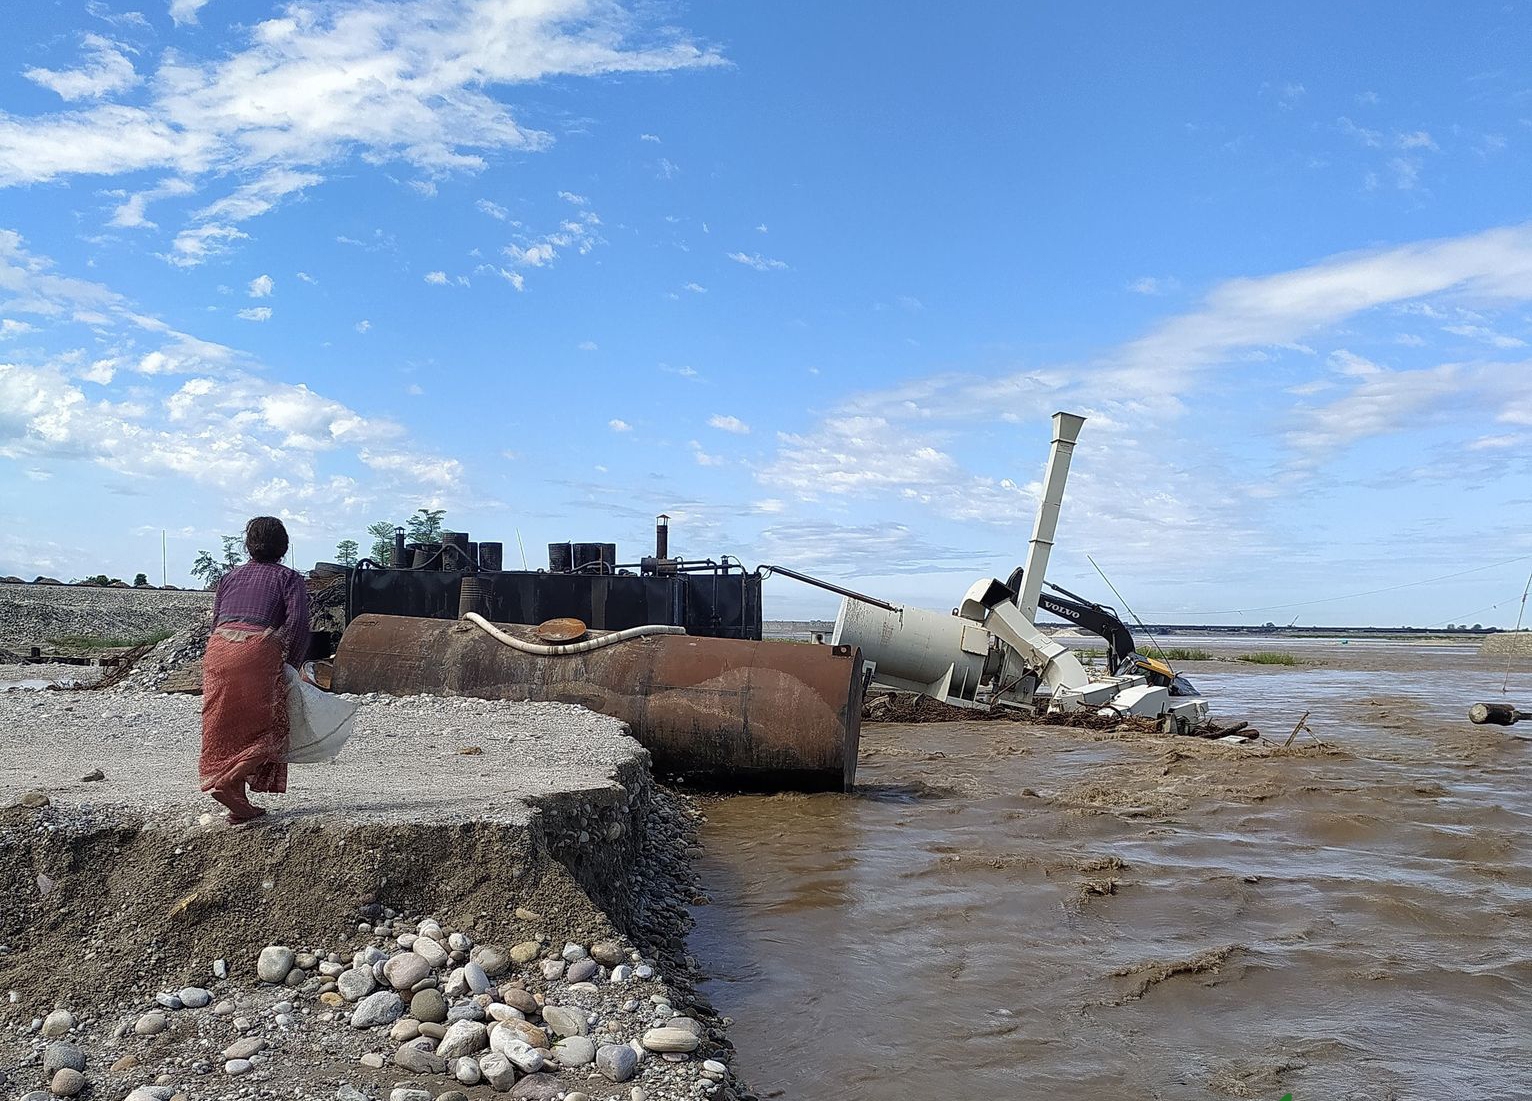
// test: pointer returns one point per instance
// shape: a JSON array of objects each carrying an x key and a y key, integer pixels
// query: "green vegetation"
[
  {"x": 1181, "y": 653},
  {"x": 425, "y": 526},
  {"x": 1096, "y": 654},
  {"x": 382, "y": 541},
  {"x": 107, "y": 642},
  {"x": 210, "y": 569},
  {"x": 345, "y": 552},
  {"x": 1269, "y": 657}
]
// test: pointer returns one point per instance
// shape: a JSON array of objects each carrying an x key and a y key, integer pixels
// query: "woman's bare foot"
[
  {"x": 240, "y": 819},
  {"x": 234, "y": 799}
]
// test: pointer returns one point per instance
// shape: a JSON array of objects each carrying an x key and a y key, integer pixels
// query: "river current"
[{"x": 1010, "y": 911}]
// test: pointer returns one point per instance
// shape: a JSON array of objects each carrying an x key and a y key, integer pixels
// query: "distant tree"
[
  {"x": 211, "y": 570},
  {"x": 425, "y": 526},
  {"x": 1478, "y": 626},
  {"x": 345, "y": 552},
  {"x": 382, "y": 541},
  {"x": 1452, "y": 626},
  {"x": 140, "y": 581}
]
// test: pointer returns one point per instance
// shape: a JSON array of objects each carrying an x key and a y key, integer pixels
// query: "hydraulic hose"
[{"x": 545, "y": 650}]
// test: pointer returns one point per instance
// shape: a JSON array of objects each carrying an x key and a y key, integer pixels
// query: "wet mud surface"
[{"x": 1010, "y": 911}]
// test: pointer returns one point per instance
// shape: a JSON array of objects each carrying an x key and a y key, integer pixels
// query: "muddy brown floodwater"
[{"x": 1008, "y": 911}]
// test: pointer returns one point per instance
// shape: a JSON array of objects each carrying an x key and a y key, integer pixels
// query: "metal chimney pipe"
[
  {"x": 662, "y": 536},
  {"x": 1066, "y": 430}
]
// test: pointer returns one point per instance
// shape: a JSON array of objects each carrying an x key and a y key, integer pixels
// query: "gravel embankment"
[
  {"x": 31, "y": 615},
  {"x": 429, "y": 757},
  {"x": 438, "y": 916}
]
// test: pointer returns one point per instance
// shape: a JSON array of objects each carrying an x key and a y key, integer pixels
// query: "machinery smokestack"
[
  {"x": 662, "y": 536},
  {"x": 397, "y": 560},
  {"x": 1066, "y": 430}
]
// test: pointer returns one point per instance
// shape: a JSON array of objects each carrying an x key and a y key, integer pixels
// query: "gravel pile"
[
  {"x": 30, "y": 615},
  {"x": 179, "y": 653},
  {"x": 399, "y": 1009},
  {"x": 1507, "y": 644}
]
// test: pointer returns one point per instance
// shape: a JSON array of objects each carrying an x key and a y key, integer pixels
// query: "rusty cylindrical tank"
[{"x": 730, "y": 711}]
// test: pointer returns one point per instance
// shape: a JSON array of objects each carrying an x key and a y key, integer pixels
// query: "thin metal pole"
[
  {"x": 523, "y": 547},
  {"x": 164, "y": 562},
  {"x": 1130, "y": 611},
  {"x": 1505, "y": 684}
]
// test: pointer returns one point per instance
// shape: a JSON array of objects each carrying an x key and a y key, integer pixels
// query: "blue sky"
[{"x": 807, "y": 277}]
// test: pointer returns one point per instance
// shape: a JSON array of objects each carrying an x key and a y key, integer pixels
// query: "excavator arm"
[{"x": 1122, "y": 654}]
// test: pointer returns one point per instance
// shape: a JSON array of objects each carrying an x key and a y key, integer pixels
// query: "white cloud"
[
  {"x": 256, "y": 313},
  {"x": 131, "y": 214},
  {"x": 261, "y": 286},
  {"x": 1372, "y": 139},
  {"x": 11, "y": 327},
  {"x": 1151, "y": 284},
  {"x": 580, "y": 233},
  {"x": 619, "y": 425},
  {"x": 363, "y": 326},
  {"x": 762, "y": 228},
  {"x": 1380, "y": 402},
  {"x": 225, "y": 422},
  {"x": 1416, "y": 139},
  {"x": 904, "y": 445},
  {"x": 573, "y": 199},
  {"x": 757, "y": 261},
  {"x": 213, "y": 225},
  {"x": 100, "y": 372},
  {"x": 1485, "y": 334},
  {"x": 667, "y": 169},
  {"x": 307, "y": 278},
  {"x": 107, "y": 70},
  {"x": 185, "y": 11},
  {"x": 494, "y": 210},
  {"x": 411, "y": 82},
  {"x": 695, "y": 288},
  {"x": 1406, "y": 172},
  {"x": 729, "y": 424},
  {"x": 588, "y": 345},
  {"x": 702, "y": 458},
  {"x": 439, "y": 278},
  {"x": 514, "y": 278},
  {"x": 649, "y": 137}
]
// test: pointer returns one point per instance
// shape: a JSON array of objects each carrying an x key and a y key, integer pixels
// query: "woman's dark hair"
[{"x": 266, "y": 539}]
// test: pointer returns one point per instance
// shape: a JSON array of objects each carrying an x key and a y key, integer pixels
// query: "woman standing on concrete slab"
[{"x": 260, "y": 617}]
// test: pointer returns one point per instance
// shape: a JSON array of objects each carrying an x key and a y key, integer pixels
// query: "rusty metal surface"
[
  {"x": 741, "y": 712},
  {"x": 565, "y": 629}
]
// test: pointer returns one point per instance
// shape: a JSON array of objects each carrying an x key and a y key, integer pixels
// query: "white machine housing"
[{"x": 989, "y": 651}]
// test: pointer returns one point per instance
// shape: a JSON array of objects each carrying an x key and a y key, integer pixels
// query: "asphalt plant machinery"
[
  {"x": 671, "y": 647},
  {"x": 990, "y": 653}
]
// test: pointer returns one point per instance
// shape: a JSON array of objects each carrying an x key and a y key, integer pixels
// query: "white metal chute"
[{"x": 1066, "y": 431}]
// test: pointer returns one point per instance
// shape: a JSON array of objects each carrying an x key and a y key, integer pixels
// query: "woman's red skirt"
[{"x": 244, "y": 710}]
